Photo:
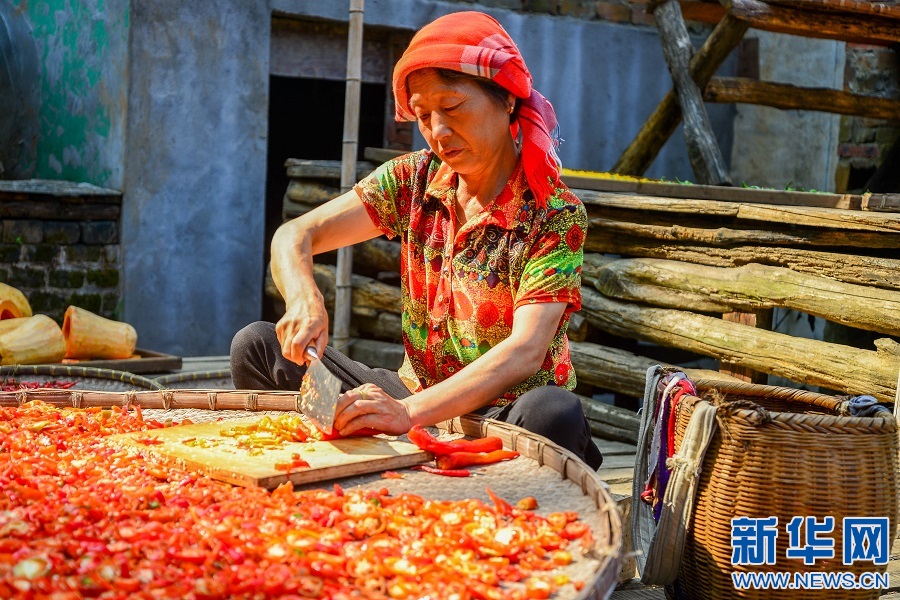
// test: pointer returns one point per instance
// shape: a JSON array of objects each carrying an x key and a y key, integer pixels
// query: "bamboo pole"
[{"x": 341, "y": 335}]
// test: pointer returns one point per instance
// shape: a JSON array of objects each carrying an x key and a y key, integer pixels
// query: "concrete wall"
[
  {"x": 192, "y": 230},
  {"x": 167, "y": 101},
  {"x": 603, "y": 79},
  {"x": 76, "y": 118},
  {"x": 776, "y": 148},
  {"x": 20, "y": 98},
  {"x": 192, "y": 221}
]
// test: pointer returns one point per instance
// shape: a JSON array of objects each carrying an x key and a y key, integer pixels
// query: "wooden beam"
[
  {"x": 382, "y": 155},
  {"x": 703, "y": 150},
  {"x": 702, "y": 12},
  {"x": 835, "y": 366},
  {"x": 807, "y": 216},
  {"x": 324, "y": 169},
  {"x": 849, "y": 268},
  {"x": 581, "y": 180},
  {"x": 863, "y": 7},
  {"x": 760, "y": 319},
  {"x": 708, "y": 232},
  {"x": 658, "y": 128},
  {"x": 792, "y": 97},
  {"x": 752, "y": 288},
  {"x": 621, "y": 371},
  {"x": 846, "y": 27},
  {"x": 380, "y": 254}
]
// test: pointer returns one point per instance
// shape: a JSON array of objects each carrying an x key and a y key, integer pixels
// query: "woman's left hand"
[{"x": 368, "y": 406}]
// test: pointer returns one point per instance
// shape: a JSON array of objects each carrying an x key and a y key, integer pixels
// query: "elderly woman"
[{"x": 491, "y": 254}]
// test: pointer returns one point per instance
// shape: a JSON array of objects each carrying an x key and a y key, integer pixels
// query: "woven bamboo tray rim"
[
  {"x": 173, "y": 380},
  {"x": 608, "y": 534},
  {"x": 571, "y": 468},
  {"x": 78, "y": 372}
]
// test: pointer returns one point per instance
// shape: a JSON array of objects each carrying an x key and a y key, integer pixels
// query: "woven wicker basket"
[
  {"x": 554, "y": 476},
  {"x": 783, "y": 452}
]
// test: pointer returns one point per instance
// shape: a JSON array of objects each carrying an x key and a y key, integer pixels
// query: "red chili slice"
[
  {"x": 459, "y": 460},
  {"x": 445, "y": 472},
  {"x": 419, "y": 436}
]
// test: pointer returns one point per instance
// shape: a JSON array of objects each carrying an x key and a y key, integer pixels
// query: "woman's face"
[{"x": 464, "y": 126}]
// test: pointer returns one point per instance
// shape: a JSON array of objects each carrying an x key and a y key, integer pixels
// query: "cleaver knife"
[{"x": 319, "y": 393}]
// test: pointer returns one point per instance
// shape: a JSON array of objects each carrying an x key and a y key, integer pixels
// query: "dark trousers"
[{"x": 555, "y": 413}]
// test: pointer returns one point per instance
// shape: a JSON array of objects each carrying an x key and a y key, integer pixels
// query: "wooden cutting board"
[{"x": 225, "y": 461}]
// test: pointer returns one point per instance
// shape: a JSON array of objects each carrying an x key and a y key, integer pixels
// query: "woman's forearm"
[
  {"x": 292, "y": 264},
  {"x": 481, "y": 382},
  {"x": 491, "y": 375}
]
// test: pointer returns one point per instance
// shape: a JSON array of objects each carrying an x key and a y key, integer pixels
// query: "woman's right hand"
[{"x": 305, "y": 323}]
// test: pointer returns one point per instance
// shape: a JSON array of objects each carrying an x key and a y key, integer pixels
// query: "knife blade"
[{"x": 319, "y": 392}]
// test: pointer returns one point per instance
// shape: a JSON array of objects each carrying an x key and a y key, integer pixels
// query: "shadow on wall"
[{"x": 19, "y": 93}]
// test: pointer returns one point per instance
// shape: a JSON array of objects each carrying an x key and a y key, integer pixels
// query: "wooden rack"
[{"x": 858, "y": 21}]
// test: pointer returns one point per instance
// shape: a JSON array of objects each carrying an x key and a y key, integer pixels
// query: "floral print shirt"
[{"x": 460, "y": 286}]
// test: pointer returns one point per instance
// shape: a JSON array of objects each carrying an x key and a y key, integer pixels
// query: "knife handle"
[{"x": 312, "y": 353}]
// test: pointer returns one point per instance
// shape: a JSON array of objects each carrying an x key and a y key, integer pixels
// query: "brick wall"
[
  {"x": 864, "y": 142},
  {"x": 61, "y": 252}
]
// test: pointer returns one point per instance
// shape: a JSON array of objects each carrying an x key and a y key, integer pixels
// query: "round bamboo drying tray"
[
  {"x": 784, "y": 452},
  {"x": 220, "y": 380},
  {"x": 85, "y": 378},
  {"x": 556, "y": 478}
]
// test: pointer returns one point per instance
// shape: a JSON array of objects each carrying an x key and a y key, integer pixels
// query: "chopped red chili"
[
  {"x": 445, "y": 472},
  {"x": 458, "y": 460},
  {"x": 419, "y": 436}
]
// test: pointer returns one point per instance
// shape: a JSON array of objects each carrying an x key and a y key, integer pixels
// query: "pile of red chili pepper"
[
  {"x": 451, "y": 458},
  {"x": 12, "y": 385},
  {"x": 83, "y": 518}
]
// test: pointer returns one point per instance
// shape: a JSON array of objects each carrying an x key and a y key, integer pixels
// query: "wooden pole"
[
  {"x": 660, "y": 125},
  {"x": 341, "y": 335},
  {"x": 703, "y": 150},
  {"x": 791, "y": 97}
]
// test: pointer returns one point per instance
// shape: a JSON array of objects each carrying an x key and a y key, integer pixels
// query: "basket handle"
[{"x": 897, "y": 399}]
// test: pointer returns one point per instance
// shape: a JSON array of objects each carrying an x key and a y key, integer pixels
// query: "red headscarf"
[{"x": 475, "y": 43}]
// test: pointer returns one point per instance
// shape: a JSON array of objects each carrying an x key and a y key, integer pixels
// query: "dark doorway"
[{"x": 306, "y": 120}]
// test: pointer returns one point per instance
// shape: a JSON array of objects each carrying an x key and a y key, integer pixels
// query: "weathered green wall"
[{"x": 82, "y": 48}]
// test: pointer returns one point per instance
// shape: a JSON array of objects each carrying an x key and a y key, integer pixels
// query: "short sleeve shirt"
[{"x": 461, "y": 285}]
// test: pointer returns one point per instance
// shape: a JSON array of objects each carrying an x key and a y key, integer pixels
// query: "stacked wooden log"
[{"x": 664, "y": 270}]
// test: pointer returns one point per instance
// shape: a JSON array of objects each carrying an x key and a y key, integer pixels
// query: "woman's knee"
[
  {"x": 251, "y": 337},
  {"x": 550, "y": 406}
]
